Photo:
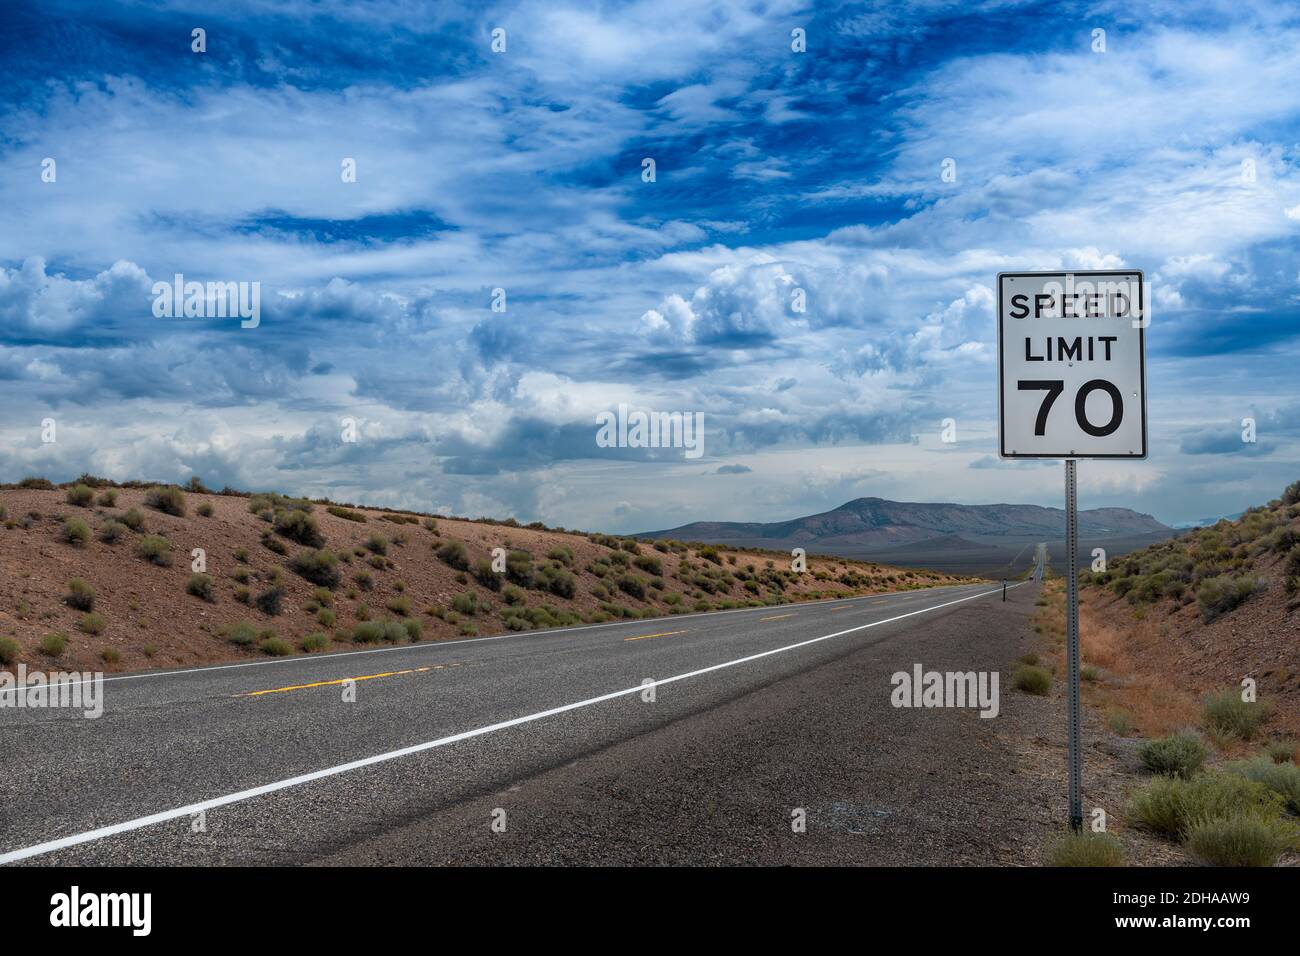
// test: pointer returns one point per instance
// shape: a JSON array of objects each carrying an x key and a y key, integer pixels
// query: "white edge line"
[
  {"x": 427, "y": 645},
  {"x": 90, "y": 836}
]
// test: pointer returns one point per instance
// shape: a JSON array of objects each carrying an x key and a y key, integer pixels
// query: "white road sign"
[{"x": 1072, "y": 364}]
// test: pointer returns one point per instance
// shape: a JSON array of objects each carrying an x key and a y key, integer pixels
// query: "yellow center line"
[
  {"x": 842, "y": 607},
  {"x": 643, "y": 637},
  {"x": 776, "y": 617},
  {"x": 344, "y": 680}
]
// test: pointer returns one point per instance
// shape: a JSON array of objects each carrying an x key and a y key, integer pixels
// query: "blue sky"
[{"x": 521, "y": 170}]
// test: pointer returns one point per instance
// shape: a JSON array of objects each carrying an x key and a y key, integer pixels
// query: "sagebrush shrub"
[
  {"x": 156, "y": 549},
  {"x": 76, "y": 532},
  {"x": 80, "y": 595},
  {"x": 319, "y": 567},
  {"x": 1179, "y": 755},
  {"x": 81, "y": 496},
  {"x": 200, "y": 585},
  {"x": 167, "y": 499},
  {"x": 454, "y": 555}
]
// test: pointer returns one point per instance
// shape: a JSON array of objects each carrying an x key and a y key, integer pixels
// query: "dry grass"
[{"x": 1131, "y": 685}]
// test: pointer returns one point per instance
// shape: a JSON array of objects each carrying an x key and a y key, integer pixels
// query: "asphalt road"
[{"x": 267, "y": 763}]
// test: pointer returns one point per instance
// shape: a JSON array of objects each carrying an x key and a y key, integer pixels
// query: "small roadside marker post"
[
  {"x": 1004, "y": 589},
  {"x": 1081, "y": 335}
]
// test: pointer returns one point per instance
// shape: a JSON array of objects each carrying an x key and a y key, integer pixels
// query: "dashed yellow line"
[
  {"x": 646, "y": 637},
  {"x": 344, "y": 680},
  {"x": 775, "y": 617},
  {"x": 842, "y": 607}
]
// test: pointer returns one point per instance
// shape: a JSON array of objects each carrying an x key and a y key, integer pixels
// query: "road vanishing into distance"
[{"x": 450, "y": 746}]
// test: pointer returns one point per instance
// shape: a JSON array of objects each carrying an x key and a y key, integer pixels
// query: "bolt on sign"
[{"x": 1072, "y": 364}]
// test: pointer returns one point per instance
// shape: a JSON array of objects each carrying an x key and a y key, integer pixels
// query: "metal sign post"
[
  {"x": 1075, "y": 757},
  {"x": 1078, "y": 337}
]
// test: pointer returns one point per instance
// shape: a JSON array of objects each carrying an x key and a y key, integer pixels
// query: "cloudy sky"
[{"x": 1174, "y": 151}]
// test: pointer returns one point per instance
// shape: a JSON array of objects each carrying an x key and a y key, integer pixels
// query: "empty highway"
[{"x": 336, "y": 757}]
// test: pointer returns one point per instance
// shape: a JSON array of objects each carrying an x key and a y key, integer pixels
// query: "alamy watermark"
[
  {"x": 213, "y": 300},
  {"x": 67, "y": 690},
  {"x": 646, "y": 429},
  {"x": 922, "y": 688}
]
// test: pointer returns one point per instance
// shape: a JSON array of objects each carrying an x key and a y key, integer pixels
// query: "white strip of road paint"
[
  {"x": 152, "y": 819},
  {"x": 429, "y": 645}
]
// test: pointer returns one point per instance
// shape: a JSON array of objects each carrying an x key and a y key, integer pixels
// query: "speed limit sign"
[
  {"x": 1072, "y": 384},
  {"x": 1072, "y": 364}
]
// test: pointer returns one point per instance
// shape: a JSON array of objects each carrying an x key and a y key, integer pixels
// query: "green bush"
[
  {"x": 315, "y": 642},
  {"x": 649, "y": 563},
  {"x": 80, "y": 595},
  {"x": 1281, "y": 751},
  {"x": 76, "y": 532},
  {"x": 454, "y": 555},
  {"x": 377, "y": 544},
  {"x": 52, "y": 645},
  {"x": 1085, "y": 849},
  {"x": 108, "y": 498},
  {"x": 81, "y": 496},
  {"x": 1169, "y": 805},
  {"x": 413, "y": 629},
  {"x": 485, "y": 576},
  {"x": 519, "y": 568},
  {"x": 268, "y": 602},
  {"x": 92, "y": 623},
  {"x": 112, "y": 532},
  {"x": 1219, "y": 595},
  {"x": 276, "y": 646},
  {"x": 155, "y": 548},
  {"x": 368, "y": 632},
  {"x": 205, "y": 510},
  {"x": 399, "y": 605},
  {"x": 133, "y": 519},
  {"x": 325, "y": 617},
  {"x": 465, "y": 603},
  {"x": 200, "y": 585},
  {"x": 347, "y": 514},
  {"x": 513, "y": 596},
  {"x": 272, "y": 543},
  {"x": 633, "y": 585},
  {"x": 299, "y": 526},
  {"x": 241, "y": 633},
  {"x": 1179, "y": 755},
  {"x": 1227, "y": 715},
  {"x": 9, "y": 650},
  {"x": 110, "y": 655},
  {"x": 318, "y": 566},
  {"x": 1032, "y": 680},
  {"x": 1243, "y": 840},
  {"x": 1281, "y": 778},
  {"x": 558, "y": 581},
  {"x": 561, "y": 554},
  {"x": 167, "y": 499}
]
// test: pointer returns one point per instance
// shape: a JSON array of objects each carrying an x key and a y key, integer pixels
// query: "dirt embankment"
[{"x": 143, "y": 614}]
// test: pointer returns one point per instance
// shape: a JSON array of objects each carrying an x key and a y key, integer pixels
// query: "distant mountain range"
[
  {"x": 1206, "y": 522},
  {"x": 867, "y": 525}
]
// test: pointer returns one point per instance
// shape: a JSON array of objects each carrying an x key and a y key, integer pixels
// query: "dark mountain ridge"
[{"x": 868, "y": 524}]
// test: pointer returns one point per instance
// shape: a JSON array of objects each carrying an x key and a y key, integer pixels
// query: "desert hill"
[
  {"x": 1214, "y": 605},
  {"x": 97, "y": 575}
]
